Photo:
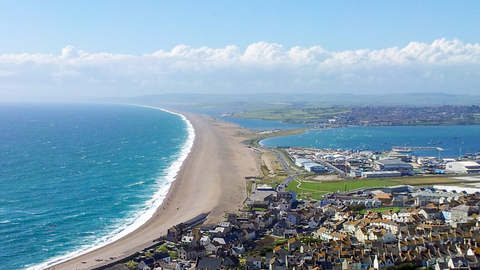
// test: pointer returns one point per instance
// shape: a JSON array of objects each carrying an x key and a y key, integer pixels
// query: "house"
[
  {"x": 279, "y": 228},
  {"x": 143, "y": 266},
  {"x": 385, "y": 198},
  {"x": 430, "y": 213},
  {"x": 294, "y": 244},
  {"x": 275, "y": 264},
  {"x": 361, "y": 234},
  {"x": 280, "y": 254},
  {"x": 441, "y": 266},
  {"x": 230, "y": 262},
  {"x": 188, "y": 240},
  {"x": 382, "y": 262},
  {"x": 253, "y": 262},
  {"x": 213, "y": 247},
  {"x": 164, "y": 256},
  {"x": 292, "y": 218},
  {"x": 351, "y": 263},
  {"x": 457, "y": 262},
  {"x": 249, "y": 233},
  {"x": 312, "y": 223},
  {"x": 205, "y": 240},
  {"x": 399, "y": 201},
  {"x": 284, "y": 205},
  {"x": 460, "y": 213},
  {"x": 237, "y": 249},
  {"x": 383, "y": 236},
  {"x": 191, "y": 253},
  {"x": 206, "y": 263},
  {"x": 175, "y": 233}
]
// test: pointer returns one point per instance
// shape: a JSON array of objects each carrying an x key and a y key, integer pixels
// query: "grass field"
[{"x": 316, "y": 190}]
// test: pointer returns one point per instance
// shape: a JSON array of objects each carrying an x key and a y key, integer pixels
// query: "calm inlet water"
[
  {"x": 75, "y": 176},
  {"x": 454, "y": 140}
]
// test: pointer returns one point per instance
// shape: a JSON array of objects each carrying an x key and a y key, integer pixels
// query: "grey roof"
[
  {"x": 142, "y": 265},
  {"x": 312, "y": 164},
  {"x": 391, "y": 162},
  {"x": 161, "y": 256},
  {"x": 231, "y": 261},
  {"x": 461, "y": 208},
  {"x": 208, "y": 263}
]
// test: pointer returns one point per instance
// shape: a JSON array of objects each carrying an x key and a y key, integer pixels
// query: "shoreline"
[
  {"x": 212, "y": 173},
  {"x": 142, "y": 216}
]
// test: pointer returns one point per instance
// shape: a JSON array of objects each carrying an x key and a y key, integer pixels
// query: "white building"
[
  {"x": 314, "y": 167},
  {"x": 394, "y": 165},
  {"x": 463, "y": 167},
  {"x": 301, "y": 161}
]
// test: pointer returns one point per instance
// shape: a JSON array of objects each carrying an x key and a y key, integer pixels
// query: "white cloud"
[{"x": 443, "y": 66}]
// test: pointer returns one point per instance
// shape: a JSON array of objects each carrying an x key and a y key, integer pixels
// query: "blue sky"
[
  {"x": 137, "y": 27},
  {"x": 42, "y": 29}
]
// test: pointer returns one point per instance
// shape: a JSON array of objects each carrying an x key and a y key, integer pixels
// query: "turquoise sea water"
[
  {"x": 454, "y": 140},
  {"x": 73, "y": 176}
]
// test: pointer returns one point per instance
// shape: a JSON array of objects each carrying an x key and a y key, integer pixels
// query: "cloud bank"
[{"x": 444, "y": 66}]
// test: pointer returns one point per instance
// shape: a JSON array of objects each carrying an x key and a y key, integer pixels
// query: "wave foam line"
[{"x": 151, "y": 205}]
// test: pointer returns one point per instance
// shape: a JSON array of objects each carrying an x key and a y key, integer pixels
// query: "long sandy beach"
[{"x": 210, "y": 179}]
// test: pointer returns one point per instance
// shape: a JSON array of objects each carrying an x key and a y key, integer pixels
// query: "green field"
[{"x": 316, "y": 190}]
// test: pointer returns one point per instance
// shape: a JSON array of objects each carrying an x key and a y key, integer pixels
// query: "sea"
[
  {"x": 443, "y": 141},
  {"x": 74, "y": 177}
]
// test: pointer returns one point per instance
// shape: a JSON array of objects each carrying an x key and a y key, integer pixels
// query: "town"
[{"x": 389, "y": 226}]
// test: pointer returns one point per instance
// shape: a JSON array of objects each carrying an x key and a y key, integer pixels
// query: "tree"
[{"x": 132, "y": 265}]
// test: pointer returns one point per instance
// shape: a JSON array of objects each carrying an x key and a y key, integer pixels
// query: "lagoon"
[{"x": 454, "y": 140}]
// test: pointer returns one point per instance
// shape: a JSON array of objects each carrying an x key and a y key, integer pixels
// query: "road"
[
  {"x": 281, "y": 159},
  {"x": 286, "y": 167}
]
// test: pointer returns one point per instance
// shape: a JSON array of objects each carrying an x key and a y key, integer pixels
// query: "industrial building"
[
  {"x": 314, "y": 167},
  {"x": 394, "y": 165},
  {"x": 463, "y": 167},
  {"x": 397, "y": 189},
  {"x": 301, "y": 161}
]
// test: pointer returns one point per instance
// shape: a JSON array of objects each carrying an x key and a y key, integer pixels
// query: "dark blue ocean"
[
  {"x": 74, "y": 176},
  {"x": 454, "y": 140}
]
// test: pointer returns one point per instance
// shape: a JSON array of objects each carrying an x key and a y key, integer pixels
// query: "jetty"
[{"x": 407, "y": 149}]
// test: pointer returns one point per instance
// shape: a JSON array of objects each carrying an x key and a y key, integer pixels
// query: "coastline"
[
  {"x": 143, "y": 216},
  {"x": 212, "y": 173}
]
